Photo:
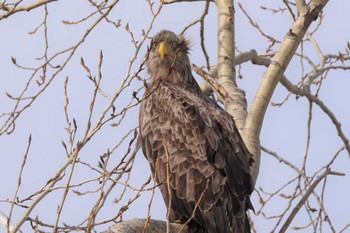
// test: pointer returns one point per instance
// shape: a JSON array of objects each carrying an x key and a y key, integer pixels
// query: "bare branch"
[
  {"x": 270, "y": 80},
  {"x": 282, "y": 160},
  {"x": 301, "y": 6},
  {"x": 4, "y": 221},
  {"x": 305, "y": 197},
  {"x": 44, "y": 192},
  {"x": 19, "y": 182},
  {"x": 303, "y": 92},
  {"x": 205, "y": 12},
  {"x": 17, "y": 112},
  {"x": 300, "y": 92},
  {"x": 218, "y": 88},
  {"x": 226, "y": 63},
  {"x": 344, "y": 228},
  {"x": 28, "y": 7},
  {"x": 256, "y": 25}
]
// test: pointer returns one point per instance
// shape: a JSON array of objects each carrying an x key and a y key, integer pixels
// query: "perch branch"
[{"x": 136, "y": 225}]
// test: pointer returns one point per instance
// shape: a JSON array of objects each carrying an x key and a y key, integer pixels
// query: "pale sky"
[{"x": 284, "y": 130}]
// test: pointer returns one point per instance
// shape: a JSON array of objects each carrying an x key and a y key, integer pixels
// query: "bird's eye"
[
  {"x": 154, "y": 44},
  {"x": 174, "y": 45}
]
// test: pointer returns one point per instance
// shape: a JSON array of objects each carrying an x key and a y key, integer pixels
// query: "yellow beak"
[{"x": 163, "y": 49}]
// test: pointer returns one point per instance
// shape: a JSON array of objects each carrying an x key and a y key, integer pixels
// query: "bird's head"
[{"x": 168, "y": 51}]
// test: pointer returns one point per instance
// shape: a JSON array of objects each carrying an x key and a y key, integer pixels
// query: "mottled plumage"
[{"x": 192, "y": 139}]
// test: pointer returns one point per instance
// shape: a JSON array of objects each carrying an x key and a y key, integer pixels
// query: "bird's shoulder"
[{"x": 186, "y": 114}]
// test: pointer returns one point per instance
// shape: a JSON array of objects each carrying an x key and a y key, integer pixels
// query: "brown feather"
[{"x": 179, "y": 126}]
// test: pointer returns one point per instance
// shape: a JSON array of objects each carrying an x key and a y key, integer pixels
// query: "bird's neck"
[{"x": 179, "y": 78}]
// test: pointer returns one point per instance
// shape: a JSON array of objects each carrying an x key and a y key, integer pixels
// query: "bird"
[{"x": 195, "y": 152}]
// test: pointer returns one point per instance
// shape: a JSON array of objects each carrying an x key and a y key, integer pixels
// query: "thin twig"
[
  {"x": 305, "y": 197},
  {"x": 222, "y": 91},
  {"x": 28, "y": 7},
  {"x": 19, "y": 182}
]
